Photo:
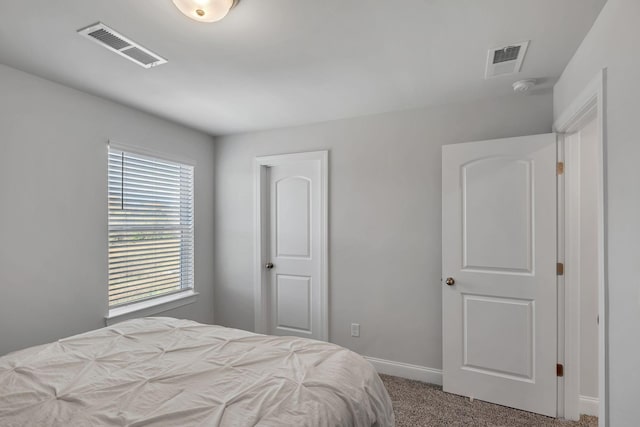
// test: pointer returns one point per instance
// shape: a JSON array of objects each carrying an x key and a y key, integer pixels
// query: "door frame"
[
  {"x": 587, "y": 106},
  {"x": 261, "y": 234}
]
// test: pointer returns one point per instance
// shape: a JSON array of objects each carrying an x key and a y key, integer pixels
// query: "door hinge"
[
  {"x": 560, "y": 370},
  {"x": 560, "y": 168},
  {"x": 560, "y": 269}
]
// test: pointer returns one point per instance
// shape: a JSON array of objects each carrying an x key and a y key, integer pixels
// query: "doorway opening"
[
  {"x": 582, "y": 289},
  {"x": 487, "y": 247},
  {"x": 291, "y": 247}
]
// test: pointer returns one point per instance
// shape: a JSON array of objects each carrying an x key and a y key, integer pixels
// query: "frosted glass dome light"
[{"x": 205, "y": 10}]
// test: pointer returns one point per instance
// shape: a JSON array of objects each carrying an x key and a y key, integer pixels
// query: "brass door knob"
[
  {"x": 268, "y": 265},
  {"x": 450, "y": 281}
]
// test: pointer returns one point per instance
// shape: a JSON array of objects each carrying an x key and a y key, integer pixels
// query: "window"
[{"x": 150, "y": 227}]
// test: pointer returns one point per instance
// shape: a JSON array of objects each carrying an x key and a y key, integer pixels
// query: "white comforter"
[{"x": 168, "y": 372}]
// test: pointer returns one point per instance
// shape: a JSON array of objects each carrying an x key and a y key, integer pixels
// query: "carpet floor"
[{"x": 418, "y": 404}]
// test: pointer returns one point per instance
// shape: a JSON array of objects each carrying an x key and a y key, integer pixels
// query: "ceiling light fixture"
[{"x": 205, "y": 10}]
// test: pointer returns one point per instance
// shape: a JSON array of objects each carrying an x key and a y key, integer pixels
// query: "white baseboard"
[
  {"x": 589, "y": 405},
  {"x": 406, "y": 370}
]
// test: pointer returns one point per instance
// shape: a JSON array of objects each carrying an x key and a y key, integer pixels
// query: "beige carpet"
[{"x": 419, "y": 404}]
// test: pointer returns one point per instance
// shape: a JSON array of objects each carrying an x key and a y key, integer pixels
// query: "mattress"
[{"x": 169, "y": 372}]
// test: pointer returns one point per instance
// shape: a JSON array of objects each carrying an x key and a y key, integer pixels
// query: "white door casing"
[
  {"x": 589, "y": 104},
  {"x": 499, "y": 237},
  {"x": 291, "y": 253}
]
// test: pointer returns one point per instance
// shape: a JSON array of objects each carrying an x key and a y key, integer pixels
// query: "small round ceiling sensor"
[{"x": 522, "y": 86}]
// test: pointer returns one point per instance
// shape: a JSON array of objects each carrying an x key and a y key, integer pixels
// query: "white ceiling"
[{"x": 275, "y": 63}]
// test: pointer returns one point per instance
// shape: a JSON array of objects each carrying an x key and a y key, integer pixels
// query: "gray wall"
[
  {"x": 613, "y": 43},
  {"x": 53, "y": 217},
  {"x": 384, "y": 218}
]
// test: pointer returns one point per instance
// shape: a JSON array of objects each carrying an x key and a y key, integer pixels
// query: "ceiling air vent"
[
  {"x": 505, "y": 60},
  {"x": 121, "y": 45}
]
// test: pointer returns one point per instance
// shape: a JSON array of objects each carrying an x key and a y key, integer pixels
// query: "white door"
[
  {"x": 294, "y": 259},
  {"x": 499, "y": 271}
]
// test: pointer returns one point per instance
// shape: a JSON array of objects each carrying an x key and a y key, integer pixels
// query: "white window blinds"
[{"x": 150, "y": 227}]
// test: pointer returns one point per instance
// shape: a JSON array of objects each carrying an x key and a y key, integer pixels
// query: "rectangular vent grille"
[
  {"x": 507, "y": 54},
  {"x": 116, "y": 42},
  {"x": 140, "y": 56},
  {"x": 505, "y": 60},
  {"x": 109, "y": 39}
]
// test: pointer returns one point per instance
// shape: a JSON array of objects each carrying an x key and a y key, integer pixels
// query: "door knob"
[
  {"x": 268, "y": 265},
  {"x": 450, "y": 281}
]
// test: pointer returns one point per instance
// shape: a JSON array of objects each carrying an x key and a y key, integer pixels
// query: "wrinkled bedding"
[{"x": 169, "y": 372}]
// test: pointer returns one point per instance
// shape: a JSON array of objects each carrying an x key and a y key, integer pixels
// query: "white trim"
[
  {"x": 260, "y": 277},
  {"x": 589, "y": 405},
  {"x": 406, "y": 370},
  {"x": 574, "y": 117},
  {"x": 569, "y": 310},
  {"x": 150, "y": 307},
  {"x": 589, "y": 104},
  {"x": 561, "y": 225},
  {"x": 261, "y": 229},
  {"x": 175, "y": 158}
]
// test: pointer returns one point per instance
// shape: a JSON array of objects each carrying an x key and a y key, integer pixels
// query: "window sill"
[{"x": 150, "y": 307}]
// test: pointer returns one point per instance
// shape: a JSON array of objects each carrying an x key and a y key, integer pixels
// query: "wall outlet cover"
[{"x": 355, "y": 329}]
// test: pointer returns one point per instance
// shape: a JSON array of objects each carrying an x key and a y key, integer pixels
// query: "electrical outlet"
[{"x": 355, "y": 329}]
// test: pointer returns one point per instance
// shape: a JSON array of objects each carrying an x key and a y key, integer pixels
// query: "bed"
[{"x": 160, "y": 371}]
